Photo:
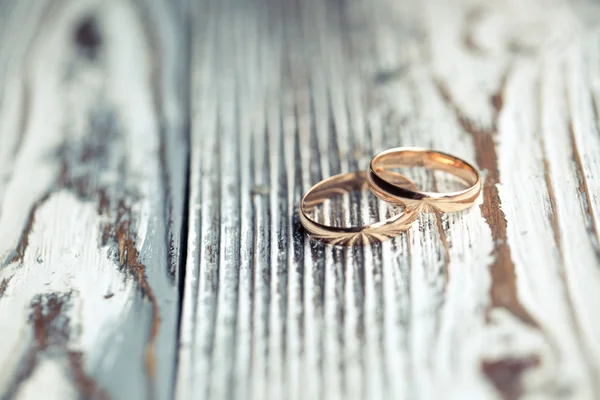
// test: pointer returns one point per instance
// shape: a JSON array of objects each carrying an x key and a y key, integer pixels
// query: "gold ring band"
[
  {"x": 418, "y": 200},
  {"x": 359, "y": 235}
]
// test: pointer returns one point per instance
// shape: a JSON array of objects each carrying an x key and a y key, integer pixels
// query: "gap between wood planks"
[
  {"x": 183, "y": 248},
  {"x": 184, "y": 235}
]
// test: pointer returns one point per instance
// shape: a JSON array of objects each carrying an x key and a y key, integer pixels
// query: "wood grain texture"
[
  {"x": 100, "y": 206},
  {"x": 92, "y": 180},
  {"x": 496, "y": 302}
]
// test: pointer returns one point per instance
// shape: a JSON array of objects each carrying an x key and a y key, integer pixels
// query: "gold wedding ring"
[
  {"x": 359, "y": 235},
  {"x": 418, "y": 200},
  {"x": 394, "y": 188}
]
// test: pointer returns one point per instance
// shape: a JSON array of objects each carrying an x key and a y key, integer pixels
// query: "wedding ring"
[
  {"x": 416, "y": 200},
  {"x": 359, "y": 235}
]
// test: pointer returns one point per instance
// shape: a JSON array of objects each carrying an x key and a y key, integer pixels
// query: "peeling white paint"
[{"x": 62, "y": 257}]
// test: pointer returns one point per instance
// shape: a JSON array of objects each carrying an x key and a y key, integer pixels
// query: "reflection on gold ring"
[{"x": 418, "y": 200}]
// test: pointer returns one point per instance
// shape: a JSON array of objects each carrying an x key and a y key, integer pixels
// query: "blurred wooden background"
[{"x": 153, "y": 154}]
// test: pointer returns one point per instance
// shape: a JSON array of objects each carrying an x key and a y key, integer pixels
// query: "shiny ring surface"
[
  {"x": 416, "y": 200},
  {"x": 359, "y": 235}
]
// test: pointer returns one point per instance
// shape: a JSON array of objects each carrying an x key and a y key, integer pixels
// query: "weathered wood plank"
[
  {"x": 92, "y": 180},
  {"x": 495, "y": 302}
]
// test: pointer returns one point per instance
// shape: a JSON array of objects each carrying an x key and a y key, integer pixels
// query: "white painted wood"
[
  {"x": 463, "y": 305},
  {"x": 88, "y": 294},
  {"x": 496, "y": 302}
]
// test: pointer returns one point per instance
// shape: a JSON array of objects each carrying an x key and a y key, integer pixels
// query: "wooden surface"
[
  {"x": 92, "y": 163},
  {"x": 153, "y": 154}
]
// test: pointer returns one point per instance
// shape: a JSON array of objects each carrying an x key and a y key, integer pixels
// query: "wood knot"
[
  {"x": 87, "y": 38},
  {"x": 506, "y": 373}
]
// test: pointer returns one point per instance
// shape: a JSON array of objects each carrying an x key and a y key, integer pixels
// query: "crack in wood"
[
  {"x": 553, "y": 215},
  {"x": 584, "y": 193},
  {"x": 503, "y": 290},
  {"x": 3, "y": 286},
  {"x": 19, "y": 252}
]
